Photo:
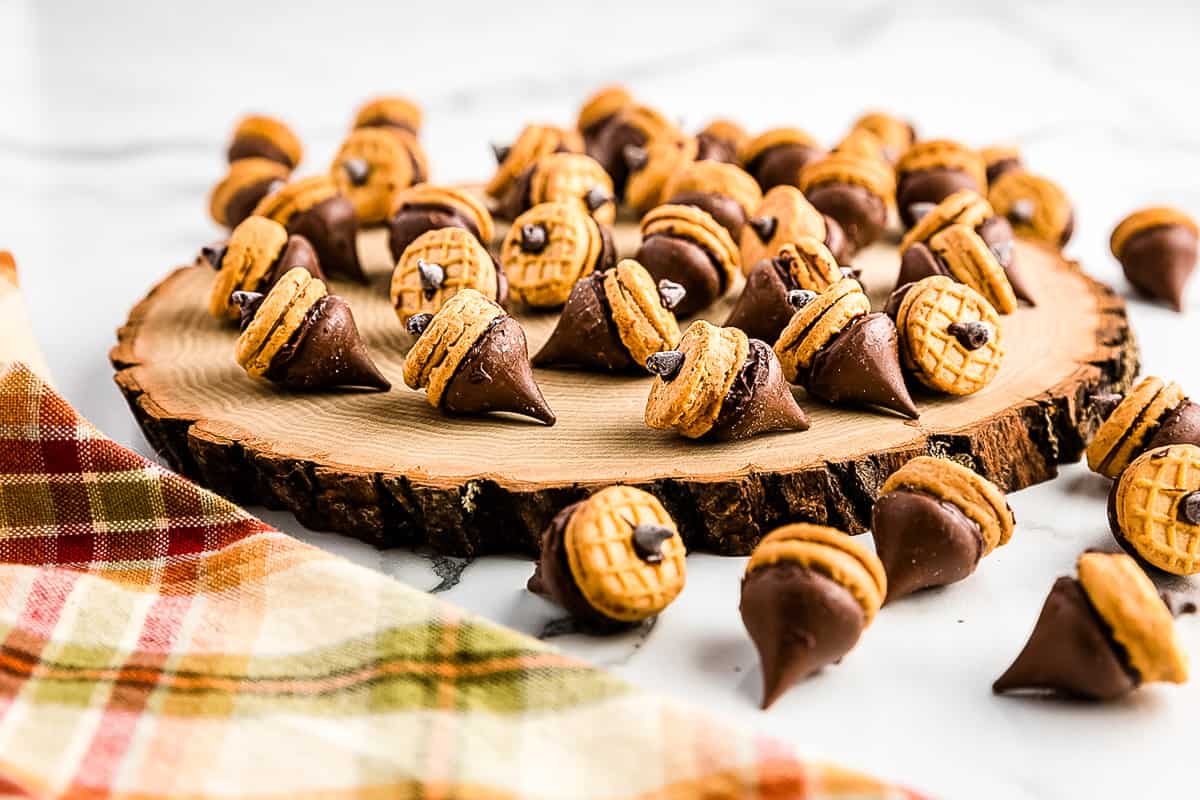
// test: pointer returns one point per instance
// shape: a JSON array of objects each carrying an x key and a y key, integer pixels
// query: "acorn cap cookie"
[
  {"x": 765, "y": 305},
  {"x": 1154, "y": 413},
  {"x": 573, "y": 177},
  {"x": 614, "y": 320},
  {"x": 950, "y": 336},
  {"x": 1037, "y": 207},
  {"x": 549, "y": 248},
  {"x": 313, "y": 208},
  {"x": 429, "y": 206},
  {"x": 720, "y": 384},
  {"x": 471, "y": 358},
  {"x": 246, "y": 182},
  {"x": 371, "y": 169},
  {"x": 436, "y": 266},
  {"x": 601, "y": 107},
  {"x": 258, "y": 252},
  {"x": 776, "y": 156},
  {"x": 999, "y": 159},
  {"x": 725, "y": 191},
  {"x": 635, "y": 125},
  {"x": 932, "y": 170},
  {"x": 969, "y": 260},
  {"x": 808, "y": 594},
  {"x": 259, "y": 136},
  {"x": 530, "y": 145},
  {"x": 389, "y": 112},
  {"x": 650, "y": 167},
  {"x": 301, "y": 337},
  {"x": 964, "y": 207},
  {"x": 893, "y": 133},
  {"x": 857, "y": 192},
  {"x": 685, "y": 245},
  {"x": 1099, "y": 637},
  {"x": 1156, "y": 508},
  {"x": 1157, "y": 249},
  {"x": 720, "y": 140},
  {"x": 612, "y": 560}
]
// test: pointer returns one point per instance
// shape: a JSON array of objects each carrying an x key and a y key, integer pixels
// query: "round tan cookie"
[
  {"x": 463, "y": 264},
  {"x": 601, "y": 555},
  {"x": 874, "y": 176},
  {"x": 251, "y": 251},
  {"x": 1127, "y": 600},
  {"x": 606, "y": 102},
  {"x": 391, "y": 110},
  {"x": 573, "y": 177},
  {"x": 242, "y": 174},
  {"x": 275, "y": 131},
  {"x": 1037, "y": 207},
  {"x": 371, "y": 169},
  {"x": 1144, "y": 220},
  {"x": 1131, "y": 424},
  {"x": 943, "y": 154},
  {"x": 281, "y": 314},
  {"x": 935, "y": 356},
  {"x": 466, "y": 204},
  {"x": 644, "y": 324},
  {"x": 453, "y": 331},
  {"x": 964, "y": 207},
  {"x": 690, "y": 402},
  {"x": 816, "y": 324},
  {"x": 810, "y": 264},
  {"x": 826, "y": 550},
  {"x": 895, "y": 134},
  {"x": 972, "y": 262},
  {"x": 698, "y": 226},
  {"x": 716, "y": 177},
  {"x": 296, "y": 196},
  {"x": 792, "y": 217},
  {"x": 664, "y": 156},
  {"x": 980, "y": 500},
  {"x": 1150, "y": 507},
  {"x": 573, "y": 245},
  {"x": 531, "y": 144},
  {"x": 774, "y": 137}
]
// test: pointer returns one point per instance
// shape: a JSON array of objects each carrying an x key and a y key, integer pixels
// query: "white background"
[{"x": 113, "y": 119}]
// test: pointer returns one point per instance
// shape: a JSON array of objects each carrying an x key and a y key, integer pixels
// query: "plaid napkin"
[{"x": 158, "y": 641}]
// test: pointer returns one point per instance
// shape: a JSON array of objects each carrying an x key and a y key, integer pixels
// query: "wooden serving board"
[{"x": 388, "y": 469}]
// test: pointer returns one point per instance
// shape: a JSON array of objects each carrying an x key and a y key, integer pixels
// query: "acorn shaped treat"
[
  {"x": 1100, "y": 636},
  {"x": 549, "y": 248},
  {"x": 999, "y": 160},
  {"x": 532, "y": 143},
  {"x": 1154, "y": 510},
  {"x": 895, "y": 135},
  {"x": 439, "y": 264},
  {"x": 964, "y": 207},
  {"x": 685, "y": 245},
  {"x": 471, "y": 358},
  {"x": 247, "y": 181},
  {"x": 650, "y": 166},
  {"x": 634, "y": 126},
  {"x": 613, "y": 321},
  {"x": 427, "y": 207},
  {"x": 599, "y": 110},
  {"x": 783, "y": 216},
  {"x": 1154, "y": 414},
  {"x": 300, "y": 337},
  {"x": 842, "y": 353},
  {"x": 857, "y": 192},
  {"x": 932, "y": 170},
  {"x": 313, "y": 208},
  {"x": 720, "y": 384},
  {"x": 766, "y": 303},
  {"x": 258, "y": 136},
  {"x": 259, "y": 252},
  {"x": 950, "y": 336},
  {"x": 934, "y": 521},
  {"x": 1157, "y": 250},
  {"x": 808, "y": 594},
  {"x": 723, "y": 190},
  {"x": 371, "y": 169},
  {"x": 720, "y": 140},
  {"x": 612, "y": 560},
  {"x": 391, "y": 112},
  {"x": 776, "y": 156},
  {"x": 1037, "y": 207},
  {"x": 959, "y": 252},
  {"x": 562, "y": 178}
]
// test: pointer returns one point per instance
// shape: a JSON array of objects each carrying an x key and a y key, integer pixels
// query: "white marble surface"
[{"x": 112, "y": 121}]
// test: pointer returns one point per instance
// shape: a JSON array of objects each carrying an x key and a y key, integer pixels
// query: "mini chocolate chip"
[
  {"x": 1021, "y": 212},
  {"x": 500, "y": 152},
  {"x": 1160, "y": 453},
  {"x": 1003, "y": 251},
  {"x": 1106, "y": 403},
  {"x": 417, "y": 323},
  {"x": 635, "y": 157},
  {"x": 799, "y": 298},
  {"x": 851, "y": 272},
  {"x": 1189, "y": 508},
  {"x": 596, "y": 197},
  {"x": 763, "y": 227},
  {"x": 1178, "y": 603},
  {"x": 971, "y": 335},
  {"x": 666, "y": 364},
  {"x": 785, "y": 259},
  {"x": 648, "y": 540},
  {"x": 533, "y": 237},
  {"x": 918, "y": 210},
  {"x": 432, "y": 277},
  {"x": 214, "y": 254},
  {"x": 249, "y": 303},
  {"x": 357, "y": 170},
  {"x": 670, "y": 294}
]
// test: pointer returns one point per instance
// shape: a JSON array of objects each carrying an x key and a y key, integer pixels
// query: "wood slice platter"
[{"x": 388, "y": 469}]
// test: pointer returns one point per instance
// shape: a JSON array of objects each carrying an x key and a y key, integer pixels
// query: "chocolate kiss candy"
[
  {"x": 1070, "y": 651},
  {"x": 357, "y": 170},
  {"x": 585, "y": 334},
  {"x": 923, "y": 542},
  {"x": 332, "y": 228},
  {"x": 759, "y": 400},
  {"x": 1181, "y": 426},
  {"x": 919, "y": 262},
  {"x": 327, "y": 352},
  {"x": 862, "y": 366},
  {"x": 763, "y": 310},
  {"x": 1158, "y": 262},
  {"x": 997, "y": 234},
  {"x": 214, "y": 253},
  {"x": 298, "y": 252},
  {"x": 495, "y": 375},
  {"x": 248, "y": 302}
]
